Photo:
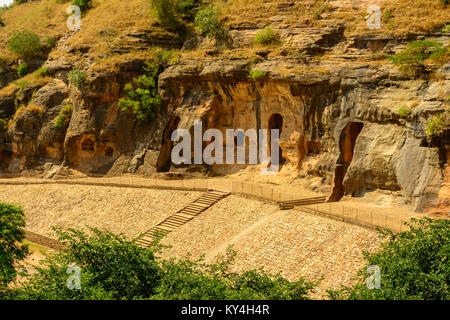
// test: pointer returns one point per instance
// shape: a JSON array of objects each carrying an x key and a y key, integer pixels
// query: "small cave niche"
[
  {"x": 275, "y": 122},
  {"x": 87, "y": 145},
  {"x": 313, "y": 147},
  {"x": 347, "y": 144},
  {"x": 109, "y": 152},
  {"x": 165, "y": 158}
]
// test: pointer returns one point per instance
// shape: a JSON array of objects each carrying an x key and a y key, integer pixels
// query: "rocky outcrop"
[{"x": 337, "y": 115}]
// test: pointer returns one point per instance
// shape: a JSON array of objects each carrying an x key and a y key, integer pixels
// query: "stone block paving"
[{"x": 293, "y": 242}]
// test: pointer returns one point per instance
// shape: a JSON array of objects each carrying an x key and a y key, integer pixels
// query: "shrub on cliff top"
[
  {"x": 24, "y": 43},
  {"x": 413, "y": 59},
  {"x": 83, "y": 4},
  {"x": 256, "y": 74},
  {"x": 209, "y": 24},
  {"x": 265, "y": 37},
  {"x": 77, "y": 77}
]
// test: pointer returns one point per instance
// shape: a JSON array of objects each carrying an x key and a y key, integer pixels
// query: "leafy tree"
[
  {"x": 414, "y": 265},
  {"x": 114, "y": 268},
  {"x": 12, "y": 222},
  {"x": 141, "y": 95},
  {"x": 24, "y": 43},
  {"x": 209, "y": 24},
  {"x": 413, "y": 59}
]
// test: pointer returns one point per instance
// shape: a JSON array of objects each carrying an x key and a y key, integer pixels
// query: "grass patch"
[
  {"x": 256, "y": 74},
  {"x": 64, "y": 116},
  {"x": 266, "y": 37}
]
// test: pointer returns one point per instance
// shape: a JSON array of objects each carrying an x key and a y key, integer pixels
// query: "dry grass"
[
  {"x": 102, "y": 25},
  {"x": 414, "y": 16},
  {"x": 35, "y": 109},
  {"x": 407, "y": 16},
  {"x": 45, "y": 18}
]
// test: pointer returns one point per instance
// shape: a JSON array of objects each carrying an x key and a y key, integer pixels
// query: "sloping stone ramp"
[{"x": 180, "y": 218}]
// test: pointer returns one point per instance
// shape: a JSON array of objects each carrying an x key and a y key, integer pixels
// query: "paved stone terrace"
[
  {"x": 293, "y": 242},
  {"x": 123, "y": 210}
]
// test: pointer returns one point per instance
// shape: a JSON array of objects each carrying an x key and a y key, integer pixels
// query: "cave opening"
[
  {"x": 164, "y": 159},
  {"x": 109, "y": 152},
  {"x": 347, "y": 144},
  {"x": 276, "y": 122}
]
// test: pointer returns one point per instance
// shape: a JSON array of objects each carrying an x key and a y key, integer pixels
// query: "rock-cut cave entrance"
[
  {"x": 276, "y": 122},
  {"x": 347, "y": 143},
  {"x": 164, "y": 158}
]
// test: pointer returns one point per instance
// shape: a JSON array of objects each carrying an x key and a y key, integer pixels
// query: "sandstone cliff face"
[{"x": 337, "y": 115}]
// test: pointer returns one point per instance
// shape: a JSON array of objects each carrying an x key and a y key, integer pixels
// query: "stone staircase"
[{"x": 181, "y": 217}]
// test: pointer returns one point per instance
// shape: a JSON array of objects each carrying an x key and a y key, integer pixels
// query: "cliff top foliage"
[{"x": 47, "y": 18}]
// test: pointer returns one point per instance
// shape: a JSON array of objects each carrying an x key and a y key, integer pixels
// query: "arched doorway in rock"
[
  {"x": 347, "y": 143},
  {"x": 275, "y": 122},
  {"x": 164, "y": 158}
]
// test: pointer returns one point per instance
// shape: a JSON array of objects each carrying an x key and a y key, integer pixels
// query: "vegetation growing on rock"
[
  {"x": 436, "y": 126},
  {"x": 64, "y": 116},
  {"x": 265, "y": 37},
  {"x": 209, "y": 24},
  {"x": 77, "y": 77},
  {"x": 24, "y": 43},
  {"x": 414, "y": 58},
  {"x": 141, "y": 95}
]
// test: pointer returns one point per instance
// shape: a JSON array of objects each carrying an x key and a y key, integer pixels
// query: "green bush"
[
  {"x": 24, "y": 43},
  {"x": 83, "y": 4},
  {"x": 413, "y": 59},
  {"x": 436, "y": 126},
  {"x": 209, "y": 24},
  {"x": 22, "y": 70},
  {"x": 175, "y": 13},
  {"x": 64, "y": 116},
  {"x": 77, "y": 77},
  {"x": 446, "y": 28},
  {"x": 114, "y": 268},
  {"x": 141, "y": 95},
  {"x": 414, "y": 265},
  {"x": 404, "y": 111},
  {"x": 257, "y": 74},
  {"x": 50, "y": 41},
  {"x": 444, "y": 2},
  {"x": 12, "y": 222},
  {"x": 267, "y": 36},
  {"x": 20, "y": 1},
  {"x": 41, "y": 72}
]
